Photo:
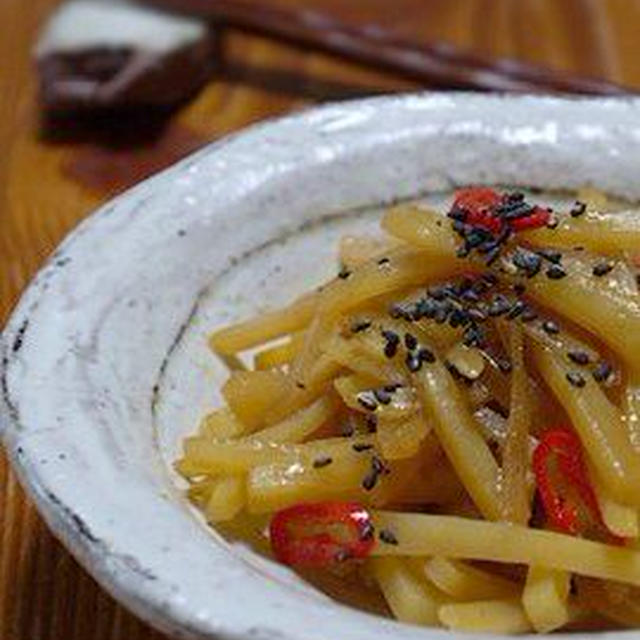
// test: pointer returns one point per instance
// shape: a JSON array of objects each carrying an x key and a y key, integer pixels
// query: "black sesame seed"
[
  {"x": 528, "y": 315},
  {"x": 387, "y": 537},
  {"x": 470, "y": 296},
  {"x": 442, "y": 312},
  {"x": 413, "y": 362},
  {"x": 370, "y": 480},
  {"x": 550, "y": 327},
  {"x": 425, "y": 355},
  {"x": 383, "y": 261},
  {"x": 473, "y": 337},
  {"x": 457, "y": 214},
  {"x": 553, "y": 223},
  {"x": 476, "y": 314},
  {"x": 602, "y": 268},
  {"x": 344, "y": 273},
  {"x": 367, "y": 400},
  {"x": 555, "y": 272},
  {"x": 347, "y": 430},
  {"x": 360, "y": 325},
  {"x": 576, "y": 379},
  {"x": 579, "y": 357},
  {"x": 324, "y": 461},
  {"x": 528, "y": 262},
  {"x": 410, "y": 341},
  {"x": 378, "y": 465},
  {"x": 499, "y": 305},
  {"x": 382, "y": 396},
  {"x": 390, "y": 349},
  {"x": 372, "y": 423},
  {"x": 519, "y": 288},
  {"x": 392, "y": 388},
  {"x": 359, "y": 447},
  {"x": 551, "y": 255},
  {"x": 516, "y": 310},
  {"x": 578, "y": 209},
  {"x": 458, "y": 318},
  {"x": 300, "y": 385},
  {"x": 504, "y": 365},
  {"x": 602, "y": 372},
  {"x": 490, "y": 278},
  {"x": 438, "y": 293}
]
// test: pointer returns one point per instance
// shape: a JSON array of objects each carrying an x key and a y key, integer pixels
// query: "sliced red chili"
[
  {"x": 539, "y": 217},
  {"x": 321, "y": 534},
  {"x": 565, "y": 490}
]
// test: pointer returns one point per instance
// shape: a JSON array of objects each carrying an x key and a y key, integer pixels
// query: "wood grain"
[{"x": 44, "y": 595}]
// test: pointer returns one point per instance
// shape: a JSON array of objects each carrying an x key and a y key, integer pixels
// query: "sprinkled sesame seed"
[
  {"x": 576, "y": 379},
  {"x": 359, "y": 447},
  {"x": 378, "y": 465},
  {"x": 528, "y": 262},
  {"x": 528, "y": 315},
  {"x": 413, "y": 362},
  {"x": 516, "y": 310},
  {"x": 425, "y": 355},
  {"x": 555, "y": 272},
  {"x": 324, "y": 461},
  {"x": 551, "y": 255},
  {"x": 387, "y": 537},
  {"x": 410, "y": 341},
  {"x": 579, "y": 357},
  {"x": 602, "y": 372},
  {"x": 519, "y": 288},
  {"x": 360, "y": 325},
  {"x": 367, "y": 400},
  {"x": 344, "y": 273},
  {"x": 602, "y": 268},
  {"x": 550, "y": 327},
  {"x": 504, "y": 365},
  {"x": 553, "y": 222},
  {"x": 370, "y": 480},
  {"x": 578, "y": 209},
  {"x": 382, "y": 396},
  {"x": 383, "y": 261},
  {"x": 499, "y": 305}
]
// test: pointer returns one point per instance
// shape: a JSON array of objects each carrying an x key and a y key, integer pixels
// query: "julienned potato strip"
[
  {"x": 428, "y": 535},
  {"x": 363, "y": 398}
]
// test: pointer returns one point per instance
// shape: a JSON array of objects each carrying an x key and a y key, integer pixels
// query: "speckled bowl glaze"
[{"x": 104, "y": 362}]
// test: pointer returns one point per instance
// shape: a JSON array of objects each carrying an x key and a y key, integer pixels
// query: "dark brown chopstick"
[{"x": 437, "y": 65}]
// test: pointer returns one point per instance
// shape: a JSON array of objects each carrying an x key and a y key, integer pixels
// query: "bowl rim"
[{"x": 123, "y": 581}]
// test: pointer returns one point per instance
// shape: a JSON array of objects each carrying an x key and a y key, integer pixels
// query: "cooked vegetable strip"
[
  {"x": 515, "y": 457},
  {"x": 222, "y": 424},
  {"x": 618, "y": 602},
  {"x": 402, "y": 439},
  {"x": 354, "y": 251},
  {"x": 281, "y": 354},
  {"x": 411, "y": 599},
  {"x": 545, "y": 598},
  {"x": 608, "y": 233},
  {"x": 299, "y": 426},
  {"x": 426, "y": 535},
  {"x": 266, "y": 327},
  {"x": 600, "y": 427},
  {"x": 226, "y": 500},
  {"x": 620, "y": 519},
  {"x": 485, "y": 616},
  {"x": 460, "y": 437},
  {"x": 464, "y": 582},
  {"x": 203, "y": 456}
]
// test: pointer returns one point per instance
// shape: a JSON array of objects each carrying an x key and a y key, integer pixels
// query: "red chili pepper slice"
[
  {"x": 479, "y": 206},
  {"x": 563, "y": 483},
  {"x": 321, "y": 534}
]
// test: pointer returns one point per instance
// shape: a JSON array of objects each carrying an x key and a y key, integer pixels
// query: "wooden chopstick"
[{"x": 437, "y": 65}]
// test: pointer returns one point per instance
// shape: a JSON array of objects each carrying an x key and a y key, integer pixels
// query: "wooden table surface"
[{"x": 50, "y": 179}]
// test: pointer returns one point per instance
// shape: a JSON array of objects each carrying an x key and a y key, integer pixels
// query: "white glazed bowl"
[{"x": 104, "y": 362}]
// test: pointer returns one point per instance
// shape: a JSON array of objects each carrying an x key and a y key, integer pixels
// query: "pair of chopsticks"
[{"x": 437, "y": 65}]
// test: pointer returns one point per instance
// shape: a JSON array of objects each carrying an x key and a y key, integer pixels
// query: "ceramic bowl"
[{"x": 104, "y": 361}]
